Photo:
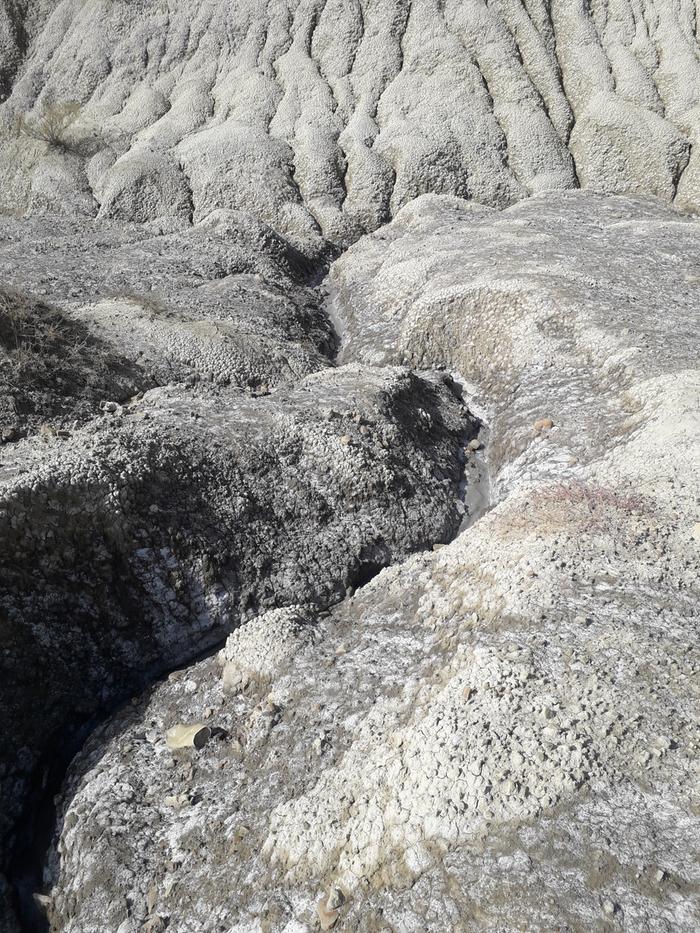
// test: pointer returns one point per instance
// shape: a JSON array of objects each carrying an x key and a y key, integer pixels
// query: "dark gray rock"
[{"x": 147, "y": 535}]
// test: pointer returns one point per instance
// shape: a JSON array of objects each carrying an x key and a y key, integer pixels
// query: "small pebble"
[
  {"x": 335, "y": 899},
  {"x": 110, "y": 407},
  {"x": 327, "y": 917},
  {"x": 543, "y": 424}
]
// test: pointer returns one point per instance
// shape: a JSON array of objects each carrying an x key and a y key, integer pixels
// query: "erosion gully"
[{"x": 36, "y": 828}]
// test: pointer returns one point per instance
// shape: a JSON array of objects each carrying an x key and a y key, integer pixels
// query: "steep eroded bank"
[{"x": 325, "y": 118}]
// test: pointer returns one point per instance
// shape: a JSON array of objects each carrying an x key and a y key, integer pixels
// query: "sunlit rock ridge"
[{"x": 327, "y": 116}]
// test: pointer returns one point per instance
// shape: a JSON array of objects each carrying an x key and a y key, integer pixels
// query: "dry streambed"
[{"x": 225, "y": 478}]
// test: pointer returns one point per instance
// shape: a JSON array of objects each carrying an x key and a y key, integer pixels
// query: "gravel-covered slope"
[
  {"x": 199, "y": 435},
  {"x": 324, "y": 117},
  {"x": 551, "y": 309},
  {"x": 98, "y": 311},
  {"x": 496, "y": 735}
]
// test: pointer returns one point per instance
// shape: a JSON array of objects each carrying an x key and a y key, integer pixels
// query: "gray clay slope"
[
  {"x": 327, "y": 116},
  {"x": 262, "y": 265}
]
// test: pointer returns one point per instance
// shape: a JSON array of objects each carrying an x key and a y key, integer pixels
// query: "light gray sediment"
[{"x": 479, "y": 722}]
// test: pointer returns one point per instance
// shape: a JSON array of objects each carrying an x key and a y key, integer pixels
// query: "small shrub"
[
  {"x": 51, "y": 367},
  {"x": 56, "y": 128}
]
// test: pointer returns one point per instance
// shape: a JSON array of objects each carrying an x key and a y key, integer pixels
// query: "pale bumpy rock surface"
[
  {"x": 178, "y": 453},
  {"x": 499, "y": 734},
  {"x": 324, "y": 117},
  {"x": 226, "y": 302},
  {"x": 256, "y": 651}
]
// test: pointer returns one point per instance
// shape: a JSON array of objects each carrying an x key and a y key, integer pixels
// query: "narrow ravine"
[{"x": 37, "y": 827}]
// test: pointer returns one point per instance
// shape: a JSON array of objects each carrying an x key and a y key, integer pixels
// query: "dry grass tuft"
[
  {"x": 32, "y": 331},
  {"x": 51, "y": 367},
  {"x": 579, "y": 507},
  {"x": 58, "y": 127}
]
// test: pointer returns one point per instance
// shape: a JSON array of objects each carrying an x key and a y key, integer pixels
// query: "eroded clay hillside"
[
  {"x": 327, "y": 116},
  {"x": 349, "y": 456}
]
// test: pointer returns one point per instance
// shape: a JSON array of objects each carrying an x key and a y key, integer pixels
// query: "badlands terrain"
[{"x": 349, "y": 465}]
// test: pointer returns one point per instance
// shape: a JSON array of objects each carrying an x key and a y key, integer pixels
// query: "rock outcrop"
[
  {"x": 144, "y": 537},
  {"x": 355, "y": 340},
  {"x": 181, "y": 452}
]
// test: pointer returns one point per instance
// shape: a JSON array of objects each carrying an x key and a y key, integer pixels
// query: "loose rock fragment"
[
  {"x": 177, "y": 801},
  {"x": 543, "y": 424},
  {"x": 335, "y": 899},
  {"x": 257, "y": 650},
  {"x": 184, "y": 736},
  {"x": 327, "y": 915}
]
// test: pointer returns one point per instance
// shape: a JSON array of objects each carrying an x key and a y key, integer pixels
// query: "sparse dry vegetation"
[
  {"x": 155, "y": 304},
  {"x": 580, "y": 507},
  {"x": 30, "y": 329},
  {"x": 59, "y": 127},
  {"x": 594, "y": 497},
  {"x": 51, "y": 368}
]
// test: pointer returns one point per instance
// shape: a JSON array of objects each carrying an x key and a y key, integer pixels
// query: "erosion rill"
[{"x": 349, "y": 462}]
